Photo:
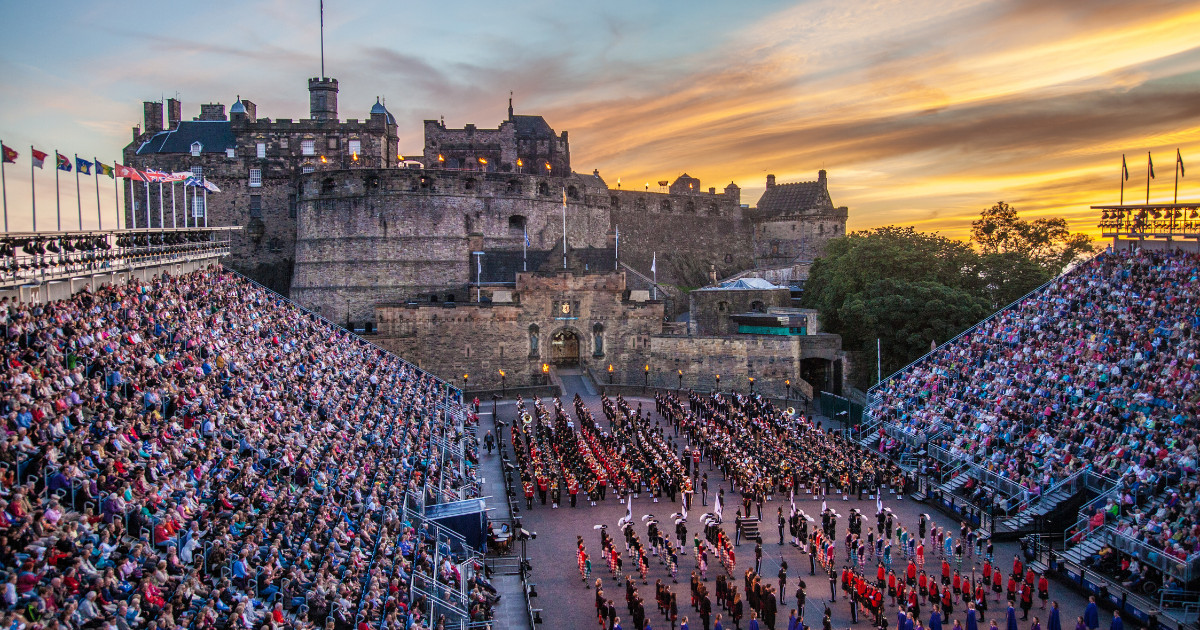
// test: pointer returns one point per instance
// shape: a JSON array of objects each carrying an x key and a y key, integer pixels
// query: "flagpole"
[
  {"x": 78, "y": 195},
  {"x": 147, "y": 183},
  {"x": 132, "y": 199},
  {"x": 161, "y": 201},
  {"x": 96, "y": 178},
  {"x": 654, "y": 271},
  {"x": 57, "y": 193},
  {"x": 32, "y": 188},
  {"x": 564, "y": 222},
  {"x": 1124, "y": 169},
  {"x": 1178, "y": 159},
  {"x": 174, "y": 221},
  {"x": 617, "y": 250},
  {"x": 1149, "y": 163},
  {"x": 525, "y": 249},
  {"x": 203, "y": 181},
  {"x": 4, "y": 187}
]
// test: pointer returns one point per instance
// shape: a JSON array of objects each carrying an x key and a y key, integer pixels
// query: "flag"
[
  {"x": 824, "y": 507},
  {"x": 1179, "y": 159},
  {"x": 83, "y": 166},
  {"x": 526, "y": 236},
  {"x": 478, "y": 268},
  {"x": 104, "y": 169},
  {"x": 38, "y": 156},
  {"x": 618, "y": 236},
  {"x": 878, "y": 504},
  {"x": 179, "y": 177},
  {"x": 654, "y": 262},
  {"x": 210, "y": 187},
  {"x": 717, "y": 507},
  {"x": 128, "y": 172},
  {"x": 64, "y": 163},
  {"x": 154, "y": 176},
  {"x": 564, "y": 197},
  {"x": 629, "y": 507},
  {"x": 10, "y": 155},
  {"x": 1151, "y": 159},
  {"x": 1124, "y": 169}
]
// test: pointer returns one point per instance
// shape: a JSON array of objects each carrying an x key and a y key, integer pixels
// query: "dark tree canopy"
[{"x": 909, "y": 289}]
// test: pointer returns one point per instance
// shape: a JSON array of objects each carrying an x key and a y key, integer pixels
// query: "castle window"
[
  {"x": 328, "y": 185},
  {"x": 712, "y": 209},
  {"x": 197, "y": 206},
  {"x": 690, "y": 208},
  {"x": 821, "y": 229},
  {"x": 196, "y": 148},
  {"x": 307, "y": 168},
  {"x": 255, "y": 177},
  {"x": 292, "y": 206},
  {"x": 514, "y": 187},
  {"x": 516, "y": 223},
  {"x": 614, "y": 202},
  {"x": 544, "y": 189},
  {"x": 256, "y": 206},
  {"x": 333, "y": 143},
  {"x": 197, "y": 171},
  {"x": 276, "y": 245},
  {"x": 308, "y": 147},
  {"x": 533, "y": 340},
  {"x": 757, "y": 307},
  {"x": 469, "y": 184},
  {"x": 260, "y": 149},
  {"x": 356, "y": 147},
  {"x": 572, "y": 192},
  {"x": 230, "y": 153},
  {"x": 426, "y": 182},
  {"x": 665, "y": 205},
  {"x": 598, "y": 340}
]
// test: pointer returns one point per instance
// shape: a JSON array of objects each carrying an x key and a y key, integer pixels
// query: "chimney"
[
  {"x": 174, "y": 113},
  {"x": 154, "y": 116},
  {"x": 712, "y": 190},
  {"x": 821, "y": 176},
  {"x": 212, "y": 111},
  {"x": 137, "y": 131},
  {"x": 770, "y": 181},
  {"x": 251, "y": 110}
]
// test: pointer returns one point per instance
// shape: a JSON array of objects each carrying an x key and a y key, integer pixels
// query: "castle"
[{"x": 339, "y": 219}]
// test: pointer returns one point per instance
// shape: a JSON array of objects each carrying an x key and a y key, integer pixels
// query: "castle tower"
[{"x": 322, "y": 98}]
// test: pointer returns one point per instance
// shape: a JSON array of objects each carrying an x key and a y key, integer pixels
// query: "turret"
[{"x": 322, "y": 98}]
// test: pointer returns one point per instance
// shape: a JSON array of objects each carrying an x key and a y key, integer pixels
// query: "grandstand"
[
  {"x": 1069, "y": 418},
  {"x": 186, "y": 449}
]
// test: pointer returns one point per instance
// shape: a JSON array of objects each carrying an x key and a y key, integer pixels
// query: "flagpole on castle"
[
  {"x": 525, "y": 249},
  {"x": 174, "y": 221},
  {"x": 654, "y": 271},
  {"x": 147, "y": 183},
  {"x": 617, "y": 251},
  {"x": 1149, "y": 174},
  {"x": 1124, "y": 176},
  {"x": 78, "y": 195},
  {"x": 161, "y": 202},
  {"x": 564, "y": 222},
  {"x": 132, "y": 199}
]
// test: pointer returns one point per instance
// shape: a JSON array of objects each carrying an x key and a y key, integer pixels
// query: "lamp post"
[
  {"x": 610, "y": 374},
  {"x": 503, "y": 388},
  {"x": 546, "y": 372},
  {"x": 646, "y": 382},
  {"x": 751, "y": 385},
  {"x": 680, "y": 379},
  {"x": 787, "y": 383},
  {"x": 465, "y": 382},
  {"x": 718, "y": 382}
]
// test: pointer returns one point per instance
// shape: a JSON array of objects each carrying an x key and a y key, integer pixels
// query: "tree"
[
  {"x": 1048, "y": 242},
  {"x": 902, "y": 286}
]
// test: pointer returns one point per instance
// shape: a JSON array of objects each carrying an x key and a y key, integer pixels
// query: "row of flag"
[
  {"x": 63, "y": 163},
  {"x": 1150, "y": 165}
]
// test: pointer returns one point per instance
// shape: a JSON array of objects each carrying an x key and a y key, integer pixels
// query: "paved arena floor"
[{"x": 566, "y": 603}]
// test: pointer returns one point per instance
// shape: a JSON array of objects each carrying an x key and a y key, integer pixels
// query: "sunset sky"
[{"x": 922, "y": 111}]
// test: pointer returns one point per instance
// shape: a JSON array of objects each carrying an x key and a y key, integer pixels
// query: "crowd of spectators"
[
  {"x": 196, "y": 452},
  {"x": 1098, "y": 370}
]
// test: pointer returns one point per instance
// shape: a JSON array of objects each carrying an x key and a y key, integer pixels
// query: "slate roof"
[
  {"x": 532, "y": 126},
  {"x": 215, "y": 136},
  {"x": 379, "y": 108},
  {"x": 782, "y": 198}
]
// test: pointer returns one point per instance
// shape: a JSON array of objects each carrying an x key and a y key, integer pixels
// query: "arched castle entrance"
[{"x": 564, "y": 348}]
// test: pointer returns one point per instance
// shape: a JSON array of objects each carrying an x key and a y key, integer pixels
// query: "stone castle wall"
[{"x": 482, "y": 339}]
